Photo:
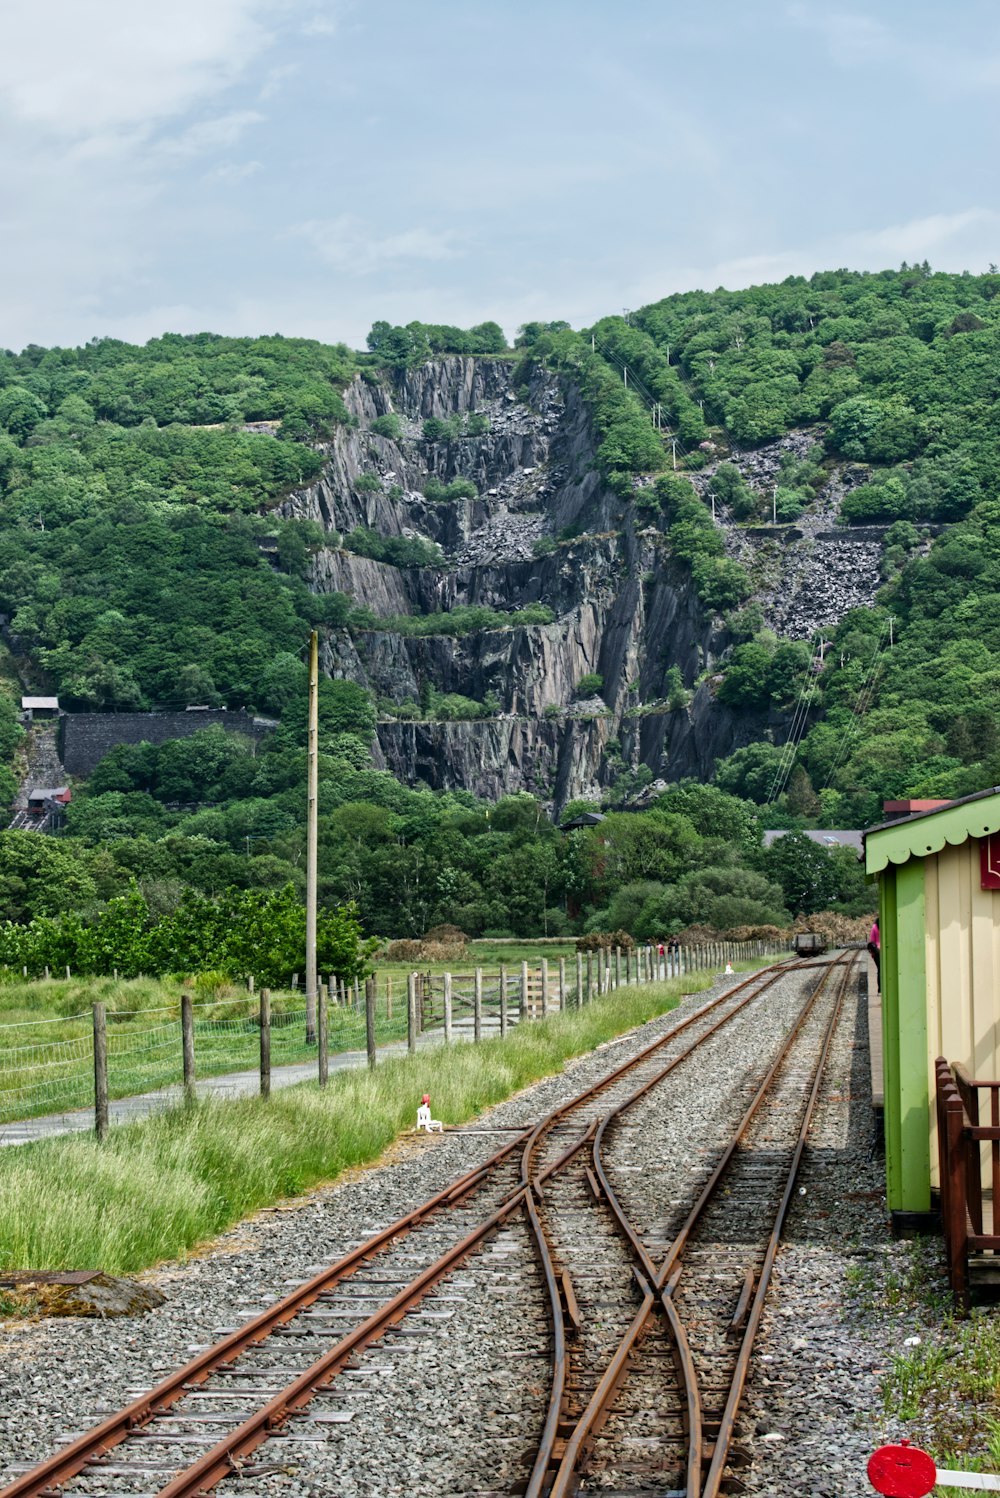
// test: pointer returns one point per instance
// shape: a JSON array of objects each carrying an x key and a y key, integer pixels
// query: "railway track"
[
  {"x": 263, "y": 1387},
  {"x": 651, "y": 1411}
]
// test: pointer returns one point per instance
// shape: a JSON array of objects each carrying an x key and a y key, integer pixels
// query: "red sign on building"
[{"x": 989, "y": 861}]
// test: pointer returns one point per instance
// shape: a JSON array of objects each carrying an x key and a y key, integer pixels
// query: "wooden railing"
[{"x": 960, "y": 1137}]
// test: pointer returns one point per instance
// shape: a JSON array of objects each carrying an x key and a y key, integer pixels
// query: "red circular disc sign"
[{"x": 902, "y": 1471}]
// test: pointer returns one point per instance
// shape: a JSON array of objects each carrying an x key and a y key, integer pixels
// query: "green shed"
[{"x": 939, "y": 921}]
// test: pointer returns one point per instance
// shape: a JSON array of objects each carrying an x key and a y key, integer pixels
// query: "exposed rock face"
[{"x": 622, "y": 608}]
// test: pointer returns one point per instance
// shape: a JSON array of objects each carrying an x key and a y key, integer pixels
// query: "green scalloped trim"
[{"x": 928, "y": 834}]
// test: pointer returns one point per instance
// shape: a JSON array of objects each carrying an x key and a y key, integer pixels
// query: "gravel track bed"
[
  {"x": 812, "y": 1412},
  {"x": 652, "y": 1174},
  {"x": 649, "y": 1159},
  {"x": 61, "y": 1375}
]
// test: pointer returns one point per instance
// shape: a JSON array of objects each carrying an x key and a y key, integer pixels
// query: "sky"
[{"x": 309, "y": 166}]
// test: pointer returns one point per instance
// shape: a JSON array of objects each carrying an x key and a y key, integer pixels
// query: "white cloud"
[
  {"x": 231, "y": 172},
  {"x": 924, "y": 238},
  {"x": 217, "y": 134},
  {"x": 940, "y": 61},
  {"x": 77, "y": 69},
  {"x": 320, "y": 25},
  {"x": 353, "y": 245}
]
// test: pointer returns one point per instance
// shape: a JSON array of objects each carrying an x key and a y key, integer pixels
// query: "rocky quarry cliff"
[{"x": 623, "y": 609}]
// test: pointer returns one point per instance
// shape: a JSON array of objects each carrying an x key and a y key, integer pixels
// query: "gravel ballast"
[{"x": 453, "y": 1403}]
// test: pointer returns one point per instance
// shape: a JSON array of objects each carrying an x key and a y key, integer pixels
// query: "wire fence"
[{"x": 140, "y": 1060}]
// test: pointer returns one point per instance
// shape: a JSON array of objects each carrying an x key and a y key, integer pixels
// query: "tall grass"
[{"x": 158, "y": 1187}]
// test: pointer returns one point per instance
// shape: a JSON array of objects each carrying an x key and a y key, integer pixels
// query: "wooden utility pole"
[{"x": 312, "y": 845}]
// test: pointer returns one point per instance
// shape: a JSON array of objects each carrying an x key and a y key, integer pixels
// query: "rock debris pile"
[
  {"x": 805, "y": 581},
  {"x": 506, "y": 537},
  {"x": 820, "y": 582}
]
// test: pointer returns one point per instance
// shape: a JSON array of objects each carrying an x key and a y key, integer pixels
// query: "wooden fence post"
[
  {"x": 545, "y": 986},
  {"x": 265, "y": 1042},
  {"x": 411, "y": 1013},
  {"x": 955, "y": 1226},
  {"x": 618, "y": 967},
  {"x": 579, "y": 979},
  {"x": 323, "y": 1028},
  {"x": 187, "y": 1045},
  {"x": 503, "y": 1001},
  {"x": 524, "y": 992},
  {"x": 590, "y": 977},
  {"x": 100, "y": 1070},
  {"x": 477, "y": 1007},
  {"x": 447, "y": 1007},
  {"x": 562, "y": 983},
  {"x": 370, "y": 1021},
  {"x": 250, "y": 985}
]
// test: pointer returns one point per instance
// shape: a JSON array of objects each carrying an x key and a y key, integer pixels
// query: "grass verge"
[
  {"x": 158, "y": 1187},
  {"x": 945, "y": 1385}
]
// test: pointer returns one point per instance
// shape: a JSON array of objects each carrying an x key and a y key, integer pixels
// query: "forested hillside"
[
  {"x": 513, "y": 563},
  {"x": 899, "y": 373}
]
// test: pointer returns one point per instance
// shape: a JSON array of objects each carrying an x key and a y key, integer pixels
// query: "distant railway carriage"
[{"x": 809, "y": 944}]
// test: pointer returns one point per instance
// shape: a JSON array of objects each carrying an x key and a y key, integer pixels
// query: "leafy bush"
[
  {"x": 399, "y": 551},
  {"x": 417, "y": 341},
  {"x": 388, "y": 426},
  {"x": 729, "y": 488},
  {"x": 589, "y": 685},
  {"x": 367, "y": 483},
  {"x": 437, "y": 430},
  {"x": 603, "y": 941},
  {"x": 462, "y": 620},
  {"x": 439, "y": 493}
]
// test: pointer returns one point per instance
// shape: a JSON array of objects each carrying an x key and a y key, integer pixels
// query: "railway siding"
[{"x": 473, "y": 1360}]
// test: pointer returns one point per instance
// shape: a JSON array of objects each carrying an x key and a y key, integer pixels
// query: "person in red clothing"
[{"x": 875, "y": 952}]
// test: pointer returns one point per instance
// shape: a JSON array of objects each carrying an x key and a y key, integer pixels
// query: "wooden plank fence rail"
[
  {"x": 961, "y": 1137},
  {"x": 365, "y": 1015}
]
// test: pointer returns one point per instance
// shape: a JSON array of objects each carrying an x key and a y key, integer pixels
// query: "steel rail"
[
  {"x": 664, "y": 1278},
  {"x": 713, "y": 1481},
  {"x": 72, "y": 1459},
  {"x": 88, "y": 1448},
  {"x": 222, "y": 1461},
  {"x": 545, "y": 1456},
  {"x": 545, "y": 1125},
  {"x": 204, "y": 1473}
]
